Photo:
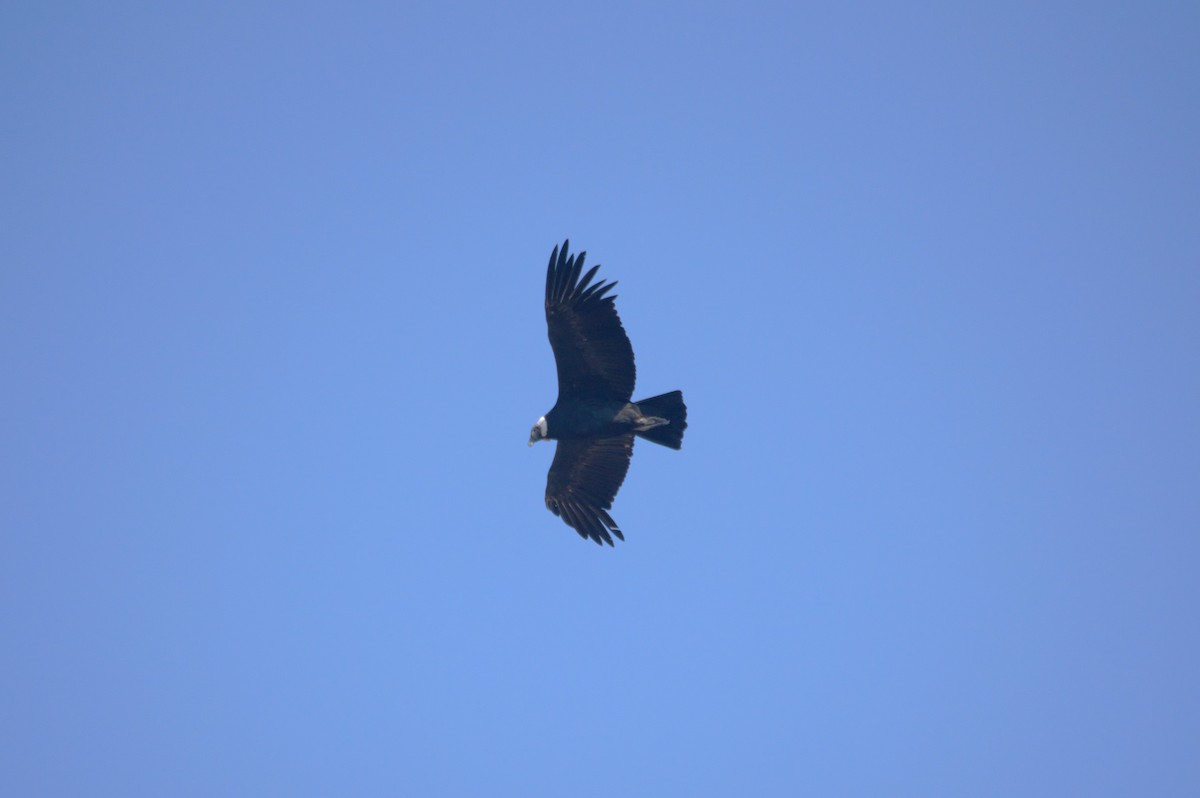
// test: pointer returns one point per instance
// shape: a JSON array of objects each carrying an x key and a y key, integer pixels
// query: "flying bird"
[{"x": 593, "y": 420}]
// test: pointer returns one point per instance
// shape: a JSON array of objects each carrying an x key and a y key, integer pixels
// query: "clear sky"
[{"x": 271, "y": 344}]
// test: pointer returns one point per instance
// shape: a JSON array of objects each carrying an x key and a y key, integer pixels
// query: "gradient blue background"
[{"x": 271, "y": 342}]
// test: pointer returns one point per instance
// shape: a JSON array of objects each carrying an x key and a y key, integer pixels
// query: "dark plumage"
[{"x": 593, "y": 420}]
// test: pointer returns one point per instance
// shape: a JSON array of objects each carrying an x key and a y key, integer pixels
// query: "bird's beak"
[{"x": 535, "y": 436}]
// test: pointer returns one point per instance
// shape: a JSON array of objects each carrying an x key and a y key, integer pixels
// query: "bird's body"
[
  {"x": 604, "y": 418},
  {"x": 594, "y": 420}
]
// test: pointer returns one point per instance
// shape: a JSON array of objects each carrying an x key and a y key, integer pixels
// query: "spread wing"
[
  {"x": 583, "y": 481},
  {"x": 591, "y": 349}
]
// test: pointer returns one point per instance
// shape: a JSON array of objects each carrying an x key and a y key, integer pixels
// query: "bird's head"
[{"x": 538, "y": 432}]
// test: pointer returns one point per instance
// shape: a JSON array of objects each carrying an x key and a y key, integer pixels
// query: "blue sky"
[{"x": 272, "y": 342}]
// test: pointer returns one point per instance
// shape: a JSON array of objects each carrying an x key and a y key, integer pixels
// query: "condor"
[{"x": 594, "y": 420}]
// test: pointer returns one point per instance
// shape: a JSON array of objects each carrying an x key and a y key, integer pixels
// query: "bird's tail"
[{"x": 669, "y": 407}]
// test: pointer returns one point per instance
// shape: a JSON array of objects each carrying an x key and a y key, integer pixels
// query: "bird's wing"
[
  {"x": 583, "y": 481},
  {"x": 591, "y": 349}
]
